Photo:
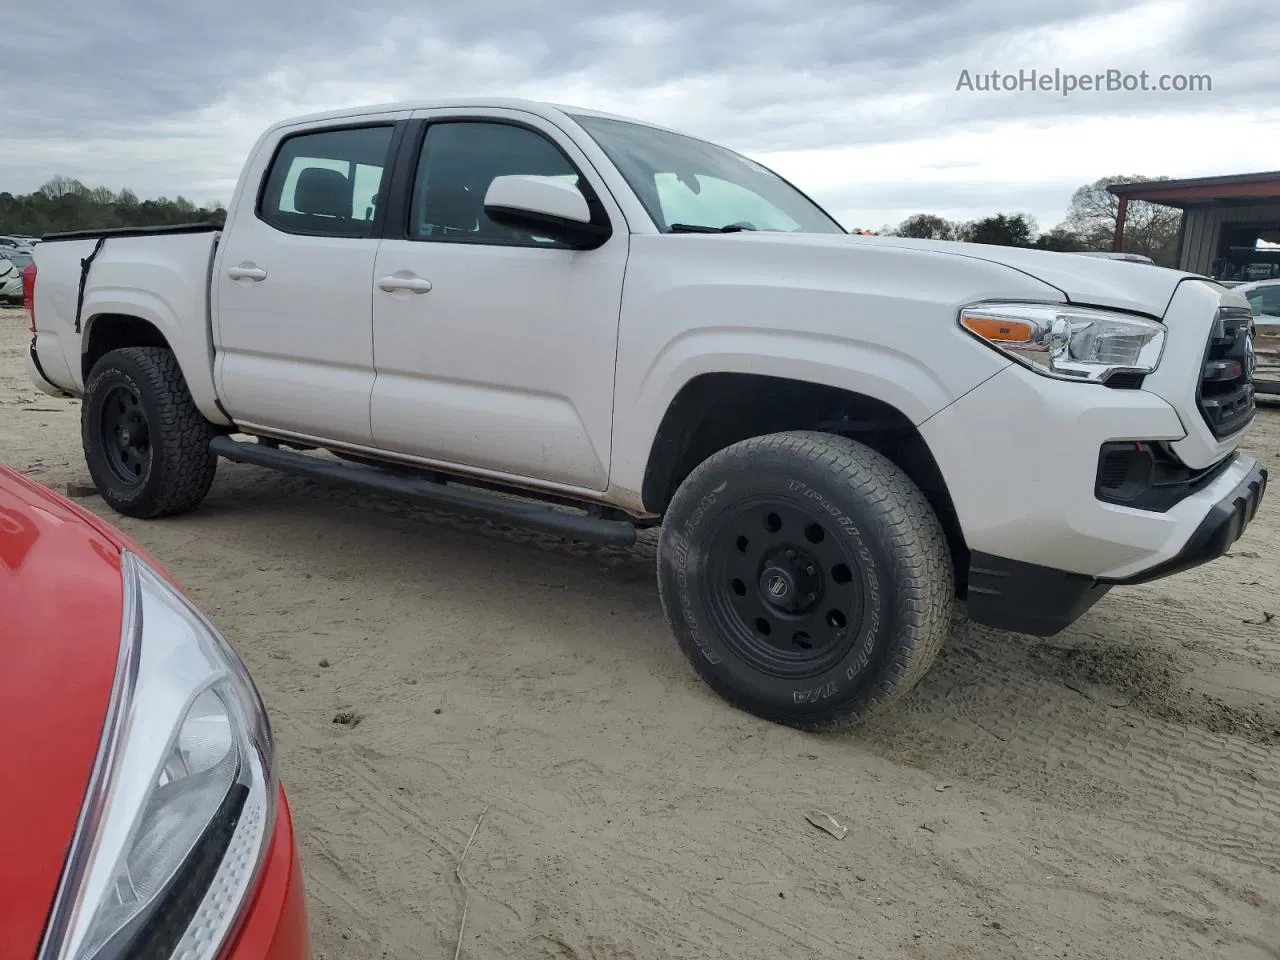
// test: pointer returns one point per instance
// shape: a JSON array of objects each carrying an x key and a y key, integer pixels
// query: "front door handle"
[
  {"x": 397, "y": 282},
  {"x": 246, "y": 271}
]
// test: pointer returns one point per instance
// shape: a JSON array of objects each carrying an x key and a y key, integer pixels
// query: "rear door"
[{"x": 293, "y": 319}]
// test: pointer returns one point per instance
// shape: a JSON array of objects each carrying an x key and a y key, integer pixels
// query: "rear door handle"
[
  {"x": 246, "y": 271},
  {"x": 397, "y": 282}
]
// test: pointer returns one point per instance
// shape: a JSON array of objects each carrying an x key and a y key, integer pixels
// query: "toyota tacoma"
[{"x": 627, "y": 327}]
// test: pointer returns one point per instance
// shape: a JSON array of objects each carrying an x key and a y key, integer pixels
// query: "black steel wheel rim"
[
  {"x": 787, "y": 590},
  {"x": 125, "y": 435}
]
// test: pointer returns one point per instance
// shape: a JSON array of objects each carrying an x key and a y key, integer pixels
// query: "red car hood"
[{"x": 60, "y": 607}]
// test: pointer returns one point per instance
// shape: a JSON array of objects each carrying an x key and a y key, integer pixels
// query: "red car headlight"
[{"x": 181, "y": 799}]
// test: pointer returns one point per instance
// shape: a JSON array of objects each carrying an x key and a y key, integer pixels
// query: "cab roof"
[{"x": 541, "y": 108}]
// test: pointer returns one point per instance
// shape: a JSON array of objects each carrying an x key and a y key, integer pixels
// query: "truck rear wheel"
[
  {"x": 146, "y": 444},
  {"x": 806, "y": 578}
]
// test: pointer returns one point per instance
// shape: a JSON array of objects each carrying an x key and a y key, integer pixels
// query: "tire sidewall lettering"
[
  {"x": 685, "y": 558},
  {"x": 874, "y": 596}
]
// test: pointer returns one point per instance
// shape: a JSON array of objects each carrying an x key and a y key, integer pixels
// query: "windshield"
[{"x": 689, "y": 185}]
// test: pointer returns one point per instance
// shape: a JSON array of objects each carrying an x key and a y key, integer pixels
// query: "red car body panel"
[
  {"x": 275, "y": 926},
  {"x": 60, "y": 594},
  {"x": 60, "y": 623}
]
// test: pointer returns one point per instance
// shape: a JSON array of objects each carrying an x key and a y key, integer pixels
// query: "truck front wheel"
[
  {"x": 806, "y": 578},
  {"x": 145, "y": 442}
]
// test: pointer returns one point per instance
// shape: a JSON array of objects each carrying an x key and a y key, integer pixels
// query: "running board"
[{"x": 531, "y": 516}]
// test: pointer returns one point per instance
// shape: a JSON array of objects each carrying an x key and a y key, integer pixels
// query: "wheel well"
[
  {"x": 113, "y": 331},
  {"x": 716, "y": 410}
]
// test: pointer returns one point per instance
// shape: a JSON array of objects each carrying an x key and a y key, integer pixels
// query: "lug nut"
[{"x": 811, "y": 569}]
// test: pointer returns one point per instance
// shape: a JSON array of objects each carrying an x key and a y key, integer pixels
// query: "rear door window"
[{"x": 328, "y": 183}]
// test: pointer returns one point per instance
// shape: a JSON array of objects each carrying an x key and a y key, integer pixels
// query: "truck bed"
[
  {"x": 159, "y": 275},
  {"x": 196, "y": 226}
]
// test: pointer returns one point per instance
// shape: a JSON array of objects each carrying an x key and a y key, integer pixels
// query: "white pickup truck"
[{"x": 839, "y": 435}]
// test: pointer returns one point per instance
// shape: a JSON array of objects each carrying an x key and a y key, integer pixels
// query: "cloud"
[
  {"x": 1024, "y": 166},
  {"x": 857, "y": 101}
]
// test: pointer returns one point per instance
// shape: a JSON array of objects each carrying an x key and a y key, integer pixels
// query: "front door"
[
  {"x": 495, "y": 349},
  {"x": 293, "y": 311}
]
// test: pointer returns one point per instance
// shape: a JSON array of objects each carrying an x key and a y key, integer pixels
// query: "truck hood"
[
  {"x": 1086, "y": 281},
  {"x": 61, "y": 593}
]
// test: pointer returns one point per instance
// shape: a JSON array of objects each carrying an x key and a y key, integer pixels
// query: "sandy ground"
[{"x": 1110, "y": 792}]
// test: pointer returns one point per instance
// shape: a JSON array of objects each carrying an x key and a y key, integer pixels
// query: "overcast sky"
[{"x": 856, "y": 102}]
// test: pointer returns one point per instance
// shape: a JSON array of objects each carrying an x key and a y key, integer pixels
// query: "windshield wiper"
[{"x": 695, "y": 228}]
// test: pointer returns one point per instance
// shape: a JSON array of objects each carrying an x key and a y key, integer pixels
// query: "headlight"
[
  {"x": 1069, "y": 343},
  {"x": 181, "y": 797}
]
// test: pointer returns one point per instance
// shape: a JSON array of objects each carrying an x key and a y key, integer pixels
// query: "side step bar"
[{"x": 531, "y": 516}]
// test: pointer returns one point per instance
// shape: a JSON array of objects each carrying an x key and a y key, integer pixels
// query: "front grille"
[{"x": 1225, "y": 394}]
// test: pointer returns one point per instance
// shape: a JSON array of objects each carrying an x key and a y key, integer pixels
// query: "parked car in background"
[
  {"x": 1263, "y": 297},
  {"x": 141, "y": 814},
  {"x": 1264, "y": 300},
  {"x": 21, "y": 256},
  {"x": 11, "y": 242},
  {"x": 10, "y": 279}
]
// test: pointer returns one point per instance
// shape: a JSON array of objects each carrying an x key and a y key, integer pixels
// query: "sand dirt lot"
[{"x": 1112, "y": 792}]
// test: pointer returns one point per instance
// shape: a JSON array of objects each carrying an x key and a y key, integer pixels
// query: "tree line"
[
  {"x": 66, "y": 204},
  {"x": 1090, "y": 224}
]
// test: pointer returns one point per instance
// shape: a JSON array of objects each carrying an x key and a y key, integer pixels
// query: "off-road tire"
[
  {"x": 871, "y": 511},
  {"x": 181, "y": 467}
]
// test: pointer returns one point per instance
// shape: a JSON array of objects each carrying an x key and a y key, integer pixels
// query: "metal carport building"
[{"x": 1223, "y": 218}]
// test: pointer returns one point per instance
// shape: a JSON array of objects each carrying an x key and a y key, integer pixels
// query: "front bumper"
[
  {"x": 1063, "y": 490},
  {"x": 1224, "y": 524},
  {"x": 1029, "y": 598},
  {"x": 275, "y": 923},
  {"x": 1020, "y": 457}
]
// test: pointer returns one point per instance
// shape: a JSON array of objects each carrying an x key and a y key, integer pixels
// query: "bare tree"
[
  {"x": 61, "y": 186},
  {"x": 1149, "y": 229}
]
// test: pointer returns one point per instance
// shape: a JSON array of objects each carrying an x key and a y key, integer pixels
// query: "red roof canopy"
[{"x": 1202, "y": 190}]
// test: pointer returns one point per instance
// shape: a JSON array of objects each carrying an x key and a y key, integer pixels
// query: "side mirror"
[{"x": 546, "y": 206}]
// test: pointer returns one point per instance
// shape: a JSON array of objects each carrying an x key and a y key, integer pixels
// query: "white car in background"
[
  {"x": 10, "y": 280},
  {"x": 1264, "y": 300},
  {"x": 21, "y": 256}
]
